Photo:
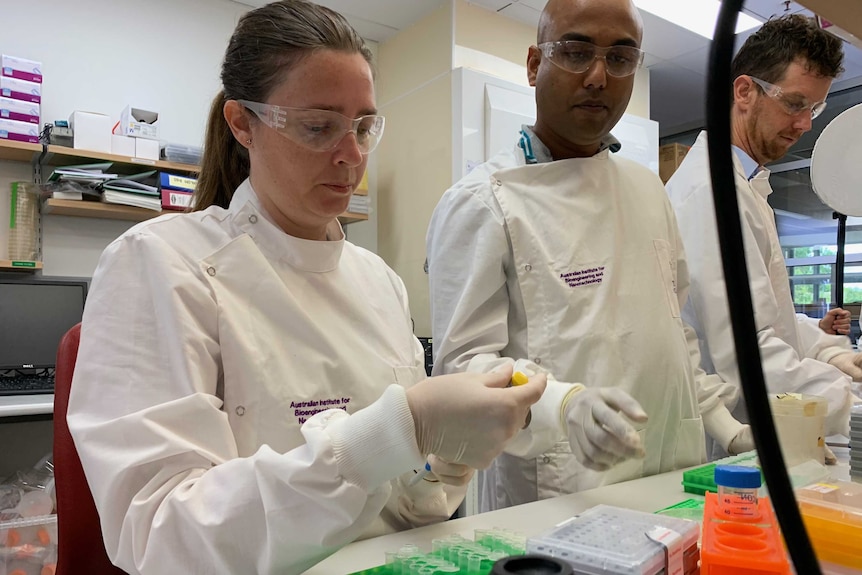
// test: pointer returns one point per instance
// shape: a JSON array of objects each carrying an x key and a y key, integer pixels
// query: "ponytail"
[{"x": 225, "y": 162}]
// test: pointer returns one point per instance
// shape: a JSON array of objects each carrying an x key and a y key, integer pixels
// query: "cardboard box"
[
  {"x": 19, "y": 131},
  {"x": 20, "y": 89},
  {"x": 92, "y": 131},
  {"x": 19, "y": 110},
  {"x": 139, "y": 123},
  {"x": 122, "y": 145},
  {"x": 146, "y": 149},
  {"x": 670, "y": 156},
  {"x": 20, "y": 68}
]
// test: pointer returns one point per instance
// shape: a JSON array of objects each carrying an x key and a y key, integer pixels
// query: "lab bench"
[{"x": 647, "y": 494}]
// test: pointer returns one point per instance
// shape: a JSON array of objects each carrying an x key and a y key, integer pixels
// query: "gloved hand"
[
  {"x": 742, "y": 441},
  {"x": 850, "y": 363},
  {"x": 468, "y": 417},
  {"x": 599, "y": 436},
  {"x": 450, "y": 473},
  {"x": 836, "y": 321}
]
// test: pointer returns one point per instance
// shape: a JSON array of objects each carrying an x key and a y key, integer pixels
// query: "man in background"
[
  {"x": 781, "y": 77},
  {"x": 558, "y": 256}
]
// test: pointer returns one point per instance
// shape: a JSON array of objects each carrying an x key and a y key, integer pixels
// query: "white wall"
[{"x": 99, "y": 58}]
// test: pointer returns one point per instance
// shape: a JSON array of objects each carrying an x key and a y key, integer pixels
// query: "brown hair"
[
  {"x": 767, "y": 53},
  {"x": 266, "y": 44}
]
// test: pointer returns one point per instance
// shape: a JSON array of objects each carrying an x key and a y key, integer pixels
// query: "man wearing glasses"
[
  {"x": 558, "y": 256},
  {"x": 782, "y": 75}
]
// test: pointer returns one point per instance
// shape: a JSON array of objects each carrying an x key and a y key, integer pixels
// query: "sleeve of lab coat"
[
  {"x": 468, "y": 255},
  {"x": 784, "y": 370},
  {"x": 160, "y": 456},
  {"x": 713, "y": 394},
  {"x": 818, "y": 344}
]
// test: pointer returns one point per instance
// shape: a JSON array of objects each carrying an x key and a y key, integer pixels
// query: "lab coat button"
[
  {"x": 538, "y": 361},
  {"x": 240, "y": 410},
  {"x": 211, "y": 271},
  {"x": 252, "y": 219},
  {"x": 546, "y": 459},
  {"x": 528, "y": 268}
]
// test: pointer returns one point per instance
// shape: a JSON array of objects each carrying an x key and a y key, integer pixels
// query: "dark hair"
[
  {"x": 768, "y": 52},
  {"x": 266, "y": 44}
]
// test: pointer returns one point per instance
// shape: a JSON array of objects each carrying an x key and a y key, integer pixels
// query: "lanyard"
[{"x": 527, "y": 146}]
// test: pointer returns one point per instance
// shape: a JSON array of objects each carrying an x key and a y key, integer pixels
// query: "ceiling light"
[{"x": 699, "y": 16}]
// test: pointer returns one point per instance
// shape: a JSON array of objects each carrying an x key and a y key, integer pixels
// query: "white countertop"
[
  {"x": 647, "y": 494},
  {"x": 35, "y": 404}
]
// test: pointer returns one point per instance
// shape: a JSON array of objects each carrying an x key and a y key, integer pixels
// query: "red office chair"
[{"x": 81, "y": 548}]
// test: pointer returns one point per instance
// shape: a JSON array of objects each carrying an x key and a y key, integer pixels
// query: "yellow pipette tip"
[{"x": 519, "y": 378}]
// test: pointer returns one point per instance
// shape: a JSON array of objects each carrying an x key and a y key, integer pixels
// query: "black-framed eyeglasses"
[{"x": 577, "y": 57}]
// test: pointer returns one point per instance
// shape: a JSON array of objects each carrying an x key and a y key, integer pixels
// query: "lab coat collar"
[
  {"x": 743, "y": 168},
  {"x": 541, "y": 154},
  {"x": 250, "y": 217}
]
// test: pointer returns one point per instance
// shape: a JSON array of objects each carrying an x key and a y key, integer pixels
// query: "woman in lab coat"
[{"x": 248, "y": 395}]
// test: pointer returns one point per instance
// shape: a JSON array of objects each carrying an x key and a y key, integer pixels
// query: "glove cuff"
[
  {"x": 826, "y": 355},
  {"x": 378, "y": 442},
  {"x": 564, "y": 404},
  {"x": 721, "y": 425}
]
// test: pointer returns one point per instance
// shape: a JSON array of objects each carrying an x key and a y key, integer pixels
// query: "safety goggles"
[
  {"x": 577, "y": 57},
  {"x": 318, "y": 130},
  {"x": 793, "y": 104}
]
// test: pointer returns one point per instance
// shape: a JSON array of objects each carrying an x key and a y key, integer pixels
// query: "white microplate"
[{"x": 608, "y": 540}]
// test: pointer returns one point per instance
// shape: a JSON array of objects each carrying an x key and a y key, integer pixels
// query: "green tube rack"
[{"x": 454, "y": 555}]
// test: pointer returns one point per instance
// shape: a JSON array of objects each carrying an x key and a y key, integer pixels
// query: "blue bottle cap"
[{"x": 737, "y": 476}]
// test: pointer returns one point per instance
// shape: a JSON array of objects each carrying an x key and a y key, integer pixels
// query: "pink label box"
[
  {"x": 15, "y": 67},
  {"x": 20, "y": 89},
  {"x": 19, "y": 110},
  {"x": 19, "y": 131}
]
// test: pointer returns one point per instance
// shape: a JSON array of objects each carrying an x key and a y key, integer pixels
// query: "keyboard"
[{"x": 26, "y": 384}]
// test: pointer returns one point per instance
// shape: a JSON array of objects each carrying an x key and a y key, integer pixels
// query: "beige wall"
[
  {"x": 485, "y": 31},
  {"x": 414, "y": 161}
]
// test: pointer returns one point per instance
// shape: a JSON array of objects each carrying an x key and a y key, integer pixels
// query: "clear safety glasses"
[
  {"x": 577, "y": 57},
  {"x": 793, "y": 104},
  {"x": 318, "y": 130}
]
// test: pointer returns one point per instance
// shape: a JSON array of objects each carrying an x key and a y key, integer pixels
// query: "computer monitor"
[{"x": 34, "y": 315}]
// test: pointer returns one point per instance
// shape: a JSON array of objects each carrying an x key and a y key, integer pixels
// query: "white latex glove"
[
  {"x": 599, "y": 436},
  {"x": 742, "y": 441},
  {"x": 468, "y": 417},
  {"x": 850, "y": 363},
  {"x": 450, "y": 473}
]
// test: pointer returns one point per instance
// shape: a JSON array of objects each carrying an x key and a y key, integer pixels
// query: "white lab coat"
[
  {"x": 576, "y": 266},
  {"x": 792, "y": 347},
  {"x": 207, "y": 339}
]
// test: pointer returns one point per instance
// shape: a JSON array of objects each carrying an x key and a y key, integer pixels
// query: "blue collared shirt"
[{"x": 749, "y": 166}]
